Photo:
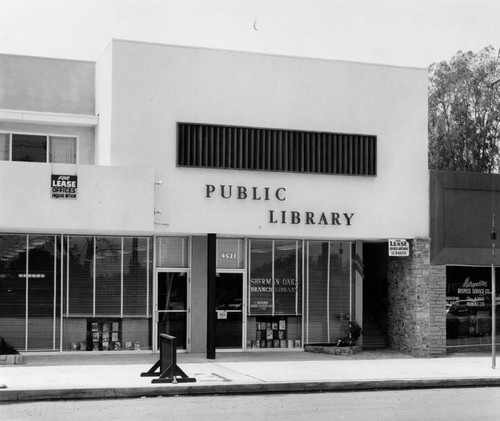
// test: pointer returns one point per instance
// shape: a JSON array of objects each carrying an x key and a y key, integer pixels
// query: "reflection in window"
[
  {"x": 108, "y": 276},
  {"x": 13, "y": 289},
  {"x": 43, "y": 289},
  {"x": 80, "y": 282},
  {"x": 172, "y": 305},
  {"x": 286, "y": 281},
  {"x": 329, "y": 286},
  {"x": 29, "y": 148},
  {"x": 136, "y": 276}
]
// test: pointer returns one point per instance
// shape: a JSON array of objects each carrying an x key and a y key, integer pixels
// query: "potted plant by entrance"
[{"x": 346, "y": 345}]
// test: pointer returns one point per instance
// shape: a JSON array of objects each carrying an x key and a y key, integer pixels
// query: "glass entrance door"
[
  {"x": 172, "y": 306},
  {"x": 229, "y": 307}
]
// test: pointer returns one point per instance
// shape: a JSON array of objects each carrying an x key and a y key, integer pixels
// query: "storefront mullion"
[
  {"x": 54, "y": 310},
  {"x": 26, "y": 288},
  {"x": 273, "y": 278},
  {"x": 328, "y": 315}
]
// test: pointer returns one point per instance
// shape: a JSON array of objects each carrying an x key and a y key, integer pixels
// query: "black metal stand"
[{"x": 169, "y": 371}]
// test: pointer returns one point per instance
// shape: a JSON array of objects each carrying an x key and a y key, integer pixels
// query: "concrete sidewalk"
[{"x": 91, "y": 376}]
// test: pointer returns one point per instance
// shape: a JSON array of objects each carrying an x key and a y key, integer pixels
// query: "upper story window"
[
  {"x": 247, "y": 148},
  {"x": 37, "y": 148}
]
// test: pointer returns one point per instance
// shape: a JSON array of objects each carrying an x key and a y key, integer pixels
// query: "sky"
[{"x": 412, "y": 33}]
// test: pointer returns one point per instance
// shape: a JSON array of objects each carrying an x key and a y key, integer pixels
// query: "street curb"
[{"x": 7, "y": 395}]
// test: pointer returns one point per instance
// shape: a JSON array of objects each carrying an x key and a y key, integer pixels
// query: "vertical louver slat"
[
  {"x": 329, "y": 158},
  {"x": 252, "y": 149},
  {"x": 198, "y": 146},
  {"x": 355, "y": 142},
  {"x": 282, "y": 156},
  {"x": 323, "y": 155},
  {"x": 181, "y": 152},
  {"x": 257, "y": 150},
  {"x": 210, "y": 149},
  {"x": 246, "y": 151},
  {"x": 268, "y": 141}
]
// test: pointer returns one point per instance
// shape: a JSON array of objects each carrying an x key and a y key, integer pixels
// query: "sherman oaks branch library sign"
[{"x": 291, "y": 217}]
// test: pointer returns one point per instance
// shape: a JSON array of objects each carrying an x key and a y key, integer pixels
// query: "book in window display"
[
  {"x": 103, "y": 335},
  {"x": 282, "y": 324}
]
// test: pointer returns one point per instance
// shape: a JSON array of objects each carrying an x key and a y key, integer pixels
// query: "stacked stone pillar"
[{"x": 417, "y": 303}]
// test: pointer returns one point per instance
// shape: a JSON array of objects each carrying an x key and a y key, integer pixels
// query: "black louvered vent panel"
[{"x": 246, "y": 148}]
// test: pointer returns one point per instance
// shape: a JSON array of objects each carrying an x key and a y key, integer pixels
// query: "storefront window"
[
  {"x": 137, "y": 276},
  {"x": 43, "y": 286},
  {"x": 13, "y": 289},
  {"x": 260, "y": 289},
  {"x": 287, "y": 294},
  {"x": 108, "y": 268},
  {"x": 329, "y": 289},
  {"x": 275, "y": 294},
  {"x": 108, "y": 294},
  {"x": 468, "y": 306},
  {"x": 80, "y": 276},
  {"x": 29, "y": 291}
]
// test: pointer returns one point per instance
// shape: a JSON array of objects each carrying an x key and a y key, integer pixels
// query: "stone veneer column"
[{"x": 417, "y": 304}]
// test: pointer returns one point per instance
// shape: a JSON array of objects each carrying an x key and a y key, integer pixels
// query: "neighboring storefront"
[
  {"x": 463, "y": 205},
  {"x": 300, "y": 168}
]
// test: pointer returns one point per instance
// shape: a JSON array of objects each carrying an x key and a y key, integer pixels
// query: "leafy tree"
[{"x": 464, "y": 112}]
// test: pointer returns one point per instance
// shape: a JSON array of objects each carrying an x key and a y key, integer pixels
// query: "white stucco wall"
[
  {"x": 156, "y": 86},
  {"x": 110, "y": 200}
]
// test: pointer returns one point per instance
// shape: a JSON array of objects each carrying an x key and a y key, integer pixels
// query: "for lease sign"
[
  {"x": 399, "y": 247},
  {"x": 63, "y": 186}
]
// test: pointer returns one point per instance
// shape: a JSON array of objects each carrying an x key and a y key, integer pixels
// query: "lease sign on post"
[{"x": 399, "y": 247}]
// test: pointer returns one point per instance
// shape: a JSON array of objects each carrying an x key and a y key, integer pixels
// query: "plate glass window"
[{"x": 38, "y": 148}]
